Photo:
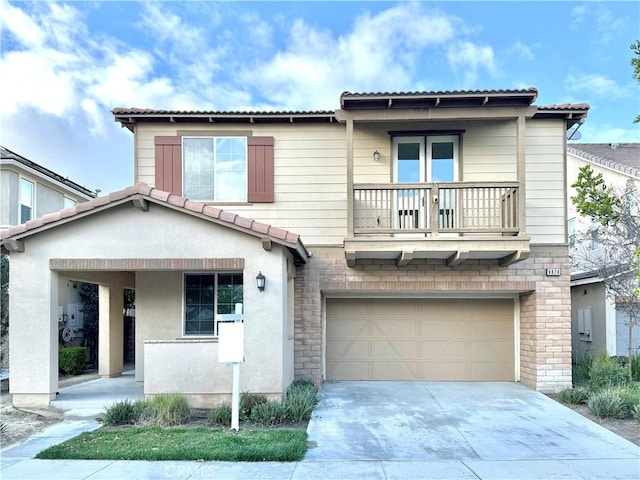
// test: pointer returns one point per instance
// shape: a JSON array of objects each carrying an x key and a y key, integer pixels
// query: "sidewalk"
[{"x": 84, "y": 401}]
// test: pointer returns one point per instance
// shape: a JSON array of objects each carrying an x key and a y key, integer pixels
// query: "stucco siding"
[
  {"x": 47, "y": 200},
  {"x": 545, "y": 181},
  {"x": 309, "y": 177},
  {"x": 8, "y": 198},
  {"x": 117, "y": 233}
]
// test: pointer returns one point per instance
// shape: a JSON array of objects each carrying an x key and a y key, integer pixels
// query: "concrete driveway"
[{"x": 491, "y": 430}]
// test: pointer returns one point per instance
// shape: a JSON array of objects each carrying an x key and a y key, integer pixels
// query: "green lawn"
[{"x": 183, "y": 443}]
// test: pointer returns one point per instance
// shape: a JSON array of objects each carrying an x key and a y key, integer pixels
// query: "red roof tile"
[
  {"x": 281, "y": 236},
  {"x": 227, "y": 216}
]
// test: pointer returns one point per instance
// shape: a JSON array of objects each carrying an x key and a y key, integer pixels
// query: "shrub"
[
  {"x": 581, "y": 367},
  {"x": 72, "y": 360},
  {"x": 124, "y": 412},
  {"x": 630, "y": 396},
  {"x": 166, "y": 410},
  {"x": 300, "y": 403},
  {"x": 221, "y": 415},
  {"x": 574, "y": 396},
  {"x": 303, "y": 384},
  {"x": 271, "y": 412},
  {"x": 635, "y": 368},
  {"x": 248, "y": 402},
  {"x": 607, "y": 403},
  {"x": 635, "y": 411},
  {"x": 607, "y": 372}
]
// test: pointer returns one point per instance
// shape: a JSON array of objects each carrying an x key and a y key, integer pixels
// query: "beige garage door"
[{"x": 420, "y": 339}]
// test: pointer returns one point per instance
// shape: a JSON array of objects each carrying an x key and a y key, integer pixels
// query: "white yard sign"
[{"x": 231, "y": 352}]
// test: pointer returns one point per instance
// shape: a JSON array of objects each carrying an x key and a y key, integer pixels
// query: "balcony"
[{"x": 451, "y": 221}]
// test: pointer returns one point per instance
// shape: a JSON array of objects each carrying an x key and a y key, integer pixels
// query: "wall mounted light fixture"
[
  {"x": 260, "y": 281},
  {"x": 376, "y": 156}
]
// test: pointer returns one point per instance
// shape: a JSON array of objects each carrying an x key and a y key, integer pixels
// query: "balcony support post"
[
  {"x": 522, "y": 214},
  {"x": 350, "y": 201}
]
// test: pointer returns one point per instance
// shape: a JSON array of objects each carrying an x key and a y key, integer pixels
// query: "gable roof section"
[
  {"x": 623, "y": 157},
  {"x": 8, "y": 155},
  {"x": 141, "y": 193}
]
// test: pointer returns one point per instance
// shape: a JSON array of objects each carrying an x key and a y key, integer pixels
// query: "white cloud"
[
  {"x": 20, "y": 25},
  {"x": 470, "y": 58},
  {"x": 169, "y": 28},
  {"x": 379, "y": 52},
  {"x": 595, "y": 84},
  {"x": 521, "y": 50},
  {"x": 578, "y": 15}
]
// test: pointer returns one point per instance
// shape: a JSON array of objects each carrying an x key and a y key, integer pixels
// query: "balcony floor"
[{"x": 454, "y": 249}]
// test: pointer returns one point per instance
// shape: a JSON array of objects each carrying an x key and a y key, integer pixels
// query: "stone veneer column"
[{"x": 545, "y": 327}]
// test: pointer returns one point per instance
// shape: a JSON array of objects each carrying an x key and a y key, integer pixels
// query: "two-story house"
[
  {"x": 29, "y": 190},
  {"x": 597, "y": 324},
  {"x": 435, "y": 246}
]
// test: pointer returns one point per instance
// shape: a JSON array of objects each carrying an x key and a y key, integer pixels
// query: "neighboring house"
[
  {"x": 597, "y": 325},
  {"x": 28, "y": 191},
  {"x": 435, "y": 247}
]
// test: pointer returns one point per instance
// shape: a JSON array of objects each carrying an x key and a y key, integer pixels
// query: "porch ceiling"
[{"x": 454, "y": 251}]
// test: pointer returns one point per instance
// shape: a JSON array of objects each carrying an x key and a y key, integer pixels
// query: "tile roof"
[
  {"x": 6, "y": 154},
  {"x": 624, "y": 157},
  {"x": 565, "y": 106},
  {"x": 531, "y": 90},
  {"x": 211, "y": 213},
  {"x": 263, "y": 113}
]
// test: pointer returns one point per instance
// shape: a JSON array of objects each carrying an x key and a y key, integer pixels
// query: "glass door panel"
[
  {"x": 442, "y": 166},
  {"x": 409, "y": 167}
]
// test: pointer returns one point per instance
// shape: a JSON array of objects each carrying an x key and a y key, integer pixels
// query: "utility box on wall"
[{"x": 584, "y": 324}]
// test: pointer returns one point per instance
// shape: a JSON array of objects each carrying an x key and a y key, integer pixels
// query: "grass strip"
[{"x": 182, "y": 443}]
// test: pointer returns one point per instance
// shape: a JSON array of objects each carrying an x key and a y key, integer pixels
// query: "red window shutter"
[
  {"x": 260, "y": 169},
  {"x": 169, "y": 164}
]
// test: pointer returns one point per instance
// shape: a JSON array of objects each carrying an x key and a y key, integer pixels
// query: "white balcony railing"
[{"x": 435, "y": 208}]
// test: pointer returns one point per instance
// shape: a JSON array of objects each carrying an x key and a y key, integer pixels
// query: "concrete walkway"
[{"x": 374, "y": 430}]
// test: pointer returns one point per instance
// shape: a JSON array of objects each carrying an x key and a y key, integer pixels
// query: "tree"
[
  {"x": 4, "y": 307},
  {"x": 635, "y": 63},
  {"x": 617, "y": 226},
  {"x": 89, "y": 296}
]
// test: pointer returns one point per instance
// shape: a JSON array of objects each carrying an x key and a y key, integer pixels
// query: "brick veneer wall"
[{"x": 545, "y": 303}]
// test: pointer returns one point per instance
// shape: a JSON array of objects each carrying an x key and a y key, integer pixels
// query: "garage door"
[{"x": 420, "y": 339}]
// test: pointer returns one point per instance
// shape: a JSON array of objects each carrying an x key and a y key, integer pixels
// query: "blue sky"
[{"x": 65, "y": 65}]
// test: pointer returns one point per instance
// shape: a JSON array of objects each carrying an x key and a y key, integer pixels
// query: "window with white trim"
[
  {"x": 27, "y": 189},
  {"x": 69, "y": 202},
  {"x": 209, "y": 299},
  {"x": 214, "y": 168}
]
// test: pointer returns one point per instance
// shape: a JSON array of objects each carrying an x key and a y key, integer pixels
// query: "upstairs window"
[
  {"x": 26, "y": 200},
  {"x": 215, "y": 168},
  {"x": 210, "y": 299}
]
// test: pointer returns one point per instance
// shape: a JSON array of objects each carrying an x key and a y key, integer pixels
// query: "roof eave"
[{"x": 129, "y": 119}]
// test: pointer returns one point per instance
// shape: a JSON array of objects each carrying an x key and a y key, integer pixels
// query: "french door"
[{"x": 422, "y": 159}]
